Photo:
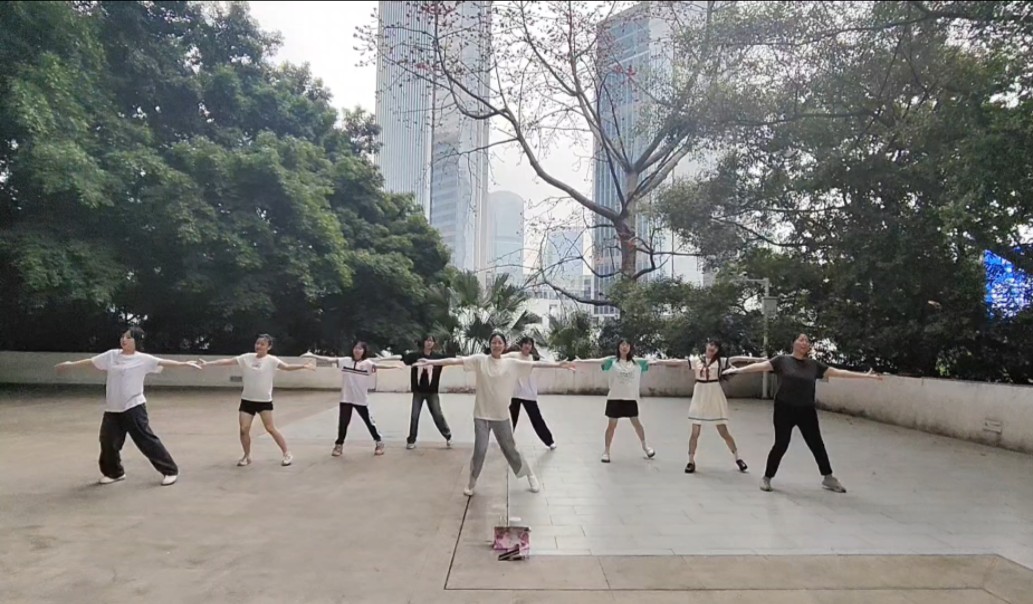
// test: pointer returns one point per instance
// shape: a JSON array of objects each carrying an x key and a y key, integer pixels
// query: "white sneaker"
[
  {"x": 109, "y": 480},
  {"x": 244, "y": 461},
  {"x": 468, "y": 492},
  {"x": 552, "y": 447},
  {"x": 169, "y": 480},
  {"x": 650, "y": 453},
  {"x": 412, "y": 445},
  {"x": 448, "y": 444},
  {"x": 288, "y": 459},
  {"x": 532, "y": 482},
  {"x": 605, "y": 458}
]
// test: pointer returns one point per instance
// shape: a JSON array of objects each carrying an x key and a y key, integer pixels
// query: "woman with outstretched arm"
[
  {"x": 795, "y": 406},
  {"x": 624, "y": 373},
  {"x": 496, "y": 378},
  {"x": 126, "y": 409},
  {"x": 357, "y": 371},
  {"x": 259, "y": 370}
]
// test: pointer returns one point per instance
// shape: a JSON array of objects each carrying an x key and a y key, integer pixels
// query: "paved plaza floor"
[{"x": 925, "y": 518}]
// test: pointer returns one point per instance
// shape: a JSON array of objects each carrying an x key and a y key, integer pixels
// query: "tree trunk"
[
  {"x": 629, "y": 253},
  {"x": 626, "y": 229}
]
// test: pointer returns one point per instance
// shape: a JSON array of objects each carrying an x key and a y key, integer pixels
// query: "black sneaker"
[{"x": 690, "y": 468}]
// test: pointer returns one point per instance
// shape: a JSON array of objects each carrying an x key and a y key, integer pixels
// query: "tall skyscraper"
[
  {"x": 506, "y": 235},
  {"x": 428, "y": 147},
  {"x": 637, "y": 40}
]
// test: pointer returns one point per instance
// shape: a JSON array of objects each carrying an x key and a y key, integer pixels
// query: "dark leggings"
[
  {"x": 345, "y": 417},
  {"x": 806, "y": 418},
  {"x": 535, "y": 414}
]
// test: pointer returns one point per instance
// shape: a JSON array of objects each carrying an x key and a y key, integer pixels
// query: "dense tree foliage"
[
  {"x": 893, "y": 153},
  {"x": 156, "y": 166}
]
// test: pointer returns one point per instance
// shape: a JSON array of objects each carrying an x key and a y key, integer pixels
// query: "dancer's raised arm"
[
  {"x": 171, "y": 363},
  {"x": 745, "y": 359},
  {"x": 320, "y": 358},
  {"x": 588, "y": 360},
  {"x": 843, "y": 373},
  {"x": 758, "y": 367},
  {"x": 76, "y": 364},
  {"x": 569, "y": 365},
  {"x": 279, "y": 364},
  {"x": 669, "y": 362},
  {"x": 452, "y": 362}
]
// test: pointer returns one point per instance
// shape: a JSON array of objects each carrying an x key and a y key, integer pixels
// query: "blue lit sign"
[{"x": 1008, "y": 289}]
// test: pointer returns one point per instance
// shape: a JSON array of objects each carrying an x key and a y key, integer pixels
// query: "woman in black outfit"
[{"x": 798, "y": 375}]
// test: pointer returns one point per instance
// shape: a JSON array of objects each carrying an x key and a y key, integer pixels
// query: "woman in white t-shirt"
[
  {"x": 496, "y": 380},
  {"x": 125, "y": 411},
  {"x": 526, "y": 394},
  {"x": 356, "y": 378},
  {"x": 259, "y": 370},
  {"x": 624, "y": 374}
]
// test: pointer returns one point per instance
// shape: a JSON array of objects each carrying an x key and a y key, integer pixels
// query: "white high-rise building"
[
  {"x": 636, "y": 40},
  {"x": 428, "y": 147},
  {"x": 506, "y": 235}
]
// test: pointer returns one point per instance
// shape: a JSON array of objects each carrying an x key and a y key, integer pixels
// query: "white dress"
[{"x": 709, "y": 405}]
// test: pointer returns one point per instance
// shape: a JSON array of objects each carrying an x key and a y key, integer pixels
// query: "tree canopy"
[
  {"x": 157, "y": 166},
  {"x": 899, "y": 159}
]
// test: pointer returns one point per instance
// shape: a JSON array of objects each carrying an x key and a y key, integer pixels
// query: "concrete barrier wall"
[
  {"x": 38, "y": 368},
  {"x": 1000, "y": 415}
]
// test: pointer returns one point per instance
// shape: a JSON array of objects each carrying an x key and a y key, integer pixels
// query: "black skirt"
[{"x": 616, "y": 409}]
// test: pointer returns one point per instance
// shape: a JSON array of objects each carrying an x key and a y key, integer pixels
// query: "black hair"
[
  {"x": 268, "y": 338},
  {"x": 717, "y": 357},
  {"x": 365, "y": 350},
  {"x": 519, "y": 346},
  {"x": 420, "y": 342},
  {"x": 137, "y": 333},
  {"x": 494, "y": 334},
  {"x": 631, "y": 350}
]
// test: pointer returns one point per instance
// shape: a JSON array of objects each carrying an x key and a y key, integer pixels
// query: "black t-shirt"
[
  {"x": 423, "y": 380},
  {"x": 797, "y": 379}
]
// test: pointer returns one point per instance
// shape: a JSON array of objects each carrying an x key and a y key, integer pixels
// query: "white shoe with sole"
[
  {"x": 244, "y": 461},
  {"x": 109, "y": 480},
  {"x": 169, "y": 480},
  {"x": 532, "y": 482},
  {"x": 288, "y": 459}
]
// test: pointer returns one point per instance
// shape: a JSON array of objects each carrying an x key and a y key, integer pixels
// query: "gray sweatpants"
[{"x": 503, "y": 430}]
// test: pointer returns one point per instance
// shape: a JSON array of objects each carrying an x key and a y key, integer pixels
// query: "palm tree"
[
  {"x": 474, "y": 314},
  {"x": 571, "y": 335}
]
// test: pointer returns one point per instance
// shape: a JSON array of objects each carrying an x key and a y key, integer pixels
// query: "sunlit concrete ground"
[{"x": 956, "y": 518}]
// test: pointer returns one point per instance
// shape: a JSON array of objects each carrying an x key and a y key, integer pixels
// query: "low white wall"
[
  {"x": 994, "y": 414},
  {"x": 38, "y": 368}
]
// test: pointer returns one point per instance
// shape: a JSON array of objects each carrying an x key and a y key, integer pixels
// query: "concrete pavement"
[{"x": 925, "y": 517}]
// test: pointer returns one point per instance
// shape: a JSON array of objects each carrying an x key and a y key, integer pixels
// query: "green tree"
[
  {"x": 474, "y": 313},
  {"x": 880, "y": 215},
  {"x": 571, "y": 335},
  {"x": 155, "y": 166}
]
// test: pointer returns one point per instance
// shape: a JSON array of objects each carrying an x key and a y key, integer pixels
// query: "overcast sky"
[{"x": 323, "y": 35}]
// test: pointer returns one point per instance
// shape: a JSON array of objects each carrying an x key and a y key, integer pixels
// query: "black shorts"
[
  {"x": 616, "y": 409},
  {"x": 253, "y": 408}
]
